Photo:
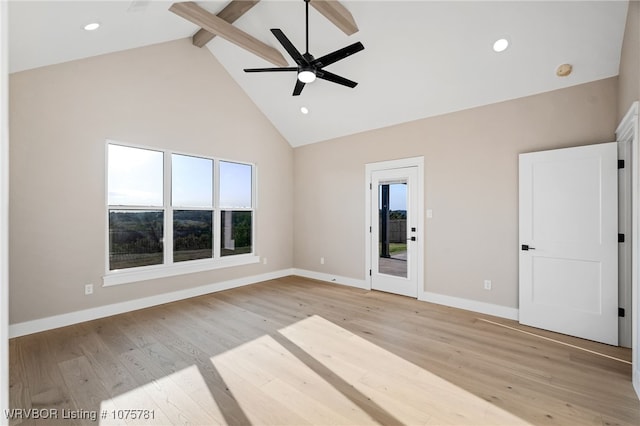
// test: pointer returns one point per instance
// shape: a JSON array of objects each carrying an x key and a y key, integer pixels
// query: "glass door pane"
[{"x": 392, "y": 222}]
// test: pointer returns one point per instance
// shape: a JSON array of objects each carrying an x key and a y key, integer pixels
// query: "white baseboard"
[
  {"x": 336, "y": 279},
  {"x": 63, "y": 320},
  {"x": 636, "y": 382},
  {"x": 440, "y": 299},
  {"x": 470, "y": 305}
]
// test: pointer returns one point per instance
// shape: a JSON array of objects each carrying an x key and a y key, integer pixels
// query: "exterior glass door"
[{"x": 394, "y": 231}]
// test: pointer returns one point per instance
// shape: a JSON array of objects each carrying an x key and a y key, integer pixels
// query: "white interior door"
[
  {"x": 569, "y": 241},
  {"x": 394, "y": 233}
]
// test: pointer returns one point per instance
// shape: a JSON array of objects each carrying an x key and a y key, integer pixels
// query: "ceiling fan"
[{"x": 308, "y": 67}]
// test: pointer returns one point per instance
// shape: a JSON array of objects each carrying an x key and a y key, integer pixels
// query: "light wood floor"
[{"x": 295, "y": 351}]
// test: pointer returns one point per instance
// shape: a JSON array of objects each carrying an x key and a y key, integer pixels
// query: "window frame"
[
  {"x": 170, "y": 268},
  {"x": 233, "y": 209}
]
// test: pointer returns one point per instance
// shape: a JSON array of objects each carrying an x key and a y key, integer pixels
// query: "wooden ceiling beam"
[
  {"x": 335, "y": 12},
  {"x": 215, "y": 25},
  {"x": 230, "y": 13}
]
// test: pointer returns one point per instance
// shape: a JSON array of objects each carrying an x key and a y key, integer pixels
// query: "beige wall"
[
  {"x": 471, "y": 183},
  {"x": 169, "y": 95},
  {"x": 629, "y": 77}
]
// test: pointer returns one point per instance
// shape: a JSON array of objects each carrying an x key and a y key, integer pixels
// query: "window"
[
  {"x": 136, "y": 225},
  {"x": 135, "y": 238},
  {"x": 163, "y": 208},
  {"x": 192, "y": 193},
  {"x": 235, "y": 202}
]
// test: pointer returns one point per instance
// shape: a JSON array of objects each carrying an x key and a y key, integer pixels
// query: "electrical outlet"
[
  {"x": 487, "y": 284},
  {"x": 322, "y": 260},
  {"x": 88, "y": 289}
]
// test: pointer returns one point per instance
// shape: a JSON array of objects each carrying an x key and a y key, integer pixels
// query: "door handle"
[{"x": 525, "y": 247}]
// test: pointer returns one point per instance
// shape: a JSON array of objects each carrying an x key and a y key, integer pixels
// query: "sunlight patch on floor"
[
  {"x": 315, "y": 372},
  {"x": 183, "y": 398},
  {"x": 272, "y": 386},
  {"x": 409, "y": 393},
  {"x": 559, "y": 342},
  {"x": 310, "y": 372}
]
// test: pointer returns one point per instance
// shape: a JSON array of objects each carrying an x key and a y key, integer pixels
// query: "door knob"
[
  {"x": 525, "y": 247},
  {"x": 411, "y": 239}
]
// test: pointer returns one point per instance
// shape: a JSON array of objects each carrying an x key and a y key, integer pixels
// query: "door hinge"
[
  {"x": 621, "y": 312},
  {"x": 621, "y": 164},
  {"x": 370, "y": 186},
  {"x": 370, "y": 230},
  {"x": 369, "y": 272},
  {"x": 621, "y": 238}
]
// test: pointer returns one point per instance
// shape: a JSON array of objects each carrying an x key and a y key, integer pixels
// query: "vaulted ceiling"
[{"x": 421, "y": 58}]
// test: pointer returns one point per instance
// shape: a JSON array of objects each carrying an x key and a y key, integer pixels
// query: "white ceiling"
[{"x": 421, "y": 58}]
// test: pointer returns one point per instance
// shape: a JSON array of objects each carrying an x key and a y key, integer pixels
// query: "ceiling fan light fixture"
[{"x": 307, "y": 76}]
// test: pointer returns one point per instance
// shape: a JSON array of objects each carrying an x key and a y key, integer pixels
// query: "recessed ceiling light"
[
  {"x": 304, "y": 110},
  {"x": 500, "y": 45},
  {"x": 92, "y": 26}
]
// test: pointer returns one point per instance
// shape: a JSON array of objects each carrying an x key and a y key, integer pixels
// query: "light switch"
[{"x": 429, "y": 213}]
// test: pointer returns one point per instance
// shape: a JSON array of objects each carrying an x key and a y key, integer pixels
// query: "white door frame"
[
  {"x": 4, "y": 215},
  {"x": 420, "y": 235},
  {"x": 624, "y": 248},
  {"x": 407, "y": 284},
  {"x": 628, "y": 131}
]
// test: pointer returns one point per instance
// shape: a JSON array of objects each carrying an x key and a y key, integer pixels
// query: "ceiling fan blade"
[
  {"x": 288, "y": 46},
  {"x": 298, "y": 89},
  {"x": 337, "y": 55},
  {"x": 270, "y": 69},
  {"x": 326, "y": 75}
]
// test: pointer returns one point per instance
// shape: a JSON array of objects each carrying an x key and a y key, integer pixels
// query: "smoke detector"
[{"x": 564, "y": 70}]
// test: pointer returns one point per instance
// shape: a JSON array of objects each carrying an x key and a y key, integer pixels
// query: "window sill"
[{"x": 125, "y": 276}]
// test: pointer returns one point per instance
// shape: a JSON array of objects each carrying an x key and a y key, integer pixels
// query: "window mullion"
[
  {"x": 168, "y": 211},
  {"x": 119, "y": 207},
  {"x": 216, "y": 210},
  {"x": 254, "y": 203}
]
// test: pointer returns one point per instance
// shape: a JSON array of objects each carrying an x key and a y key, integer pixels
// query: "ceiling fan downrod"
[
  {"x": 307, "y": 25},
  {"x": 307, "y": 74}
]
